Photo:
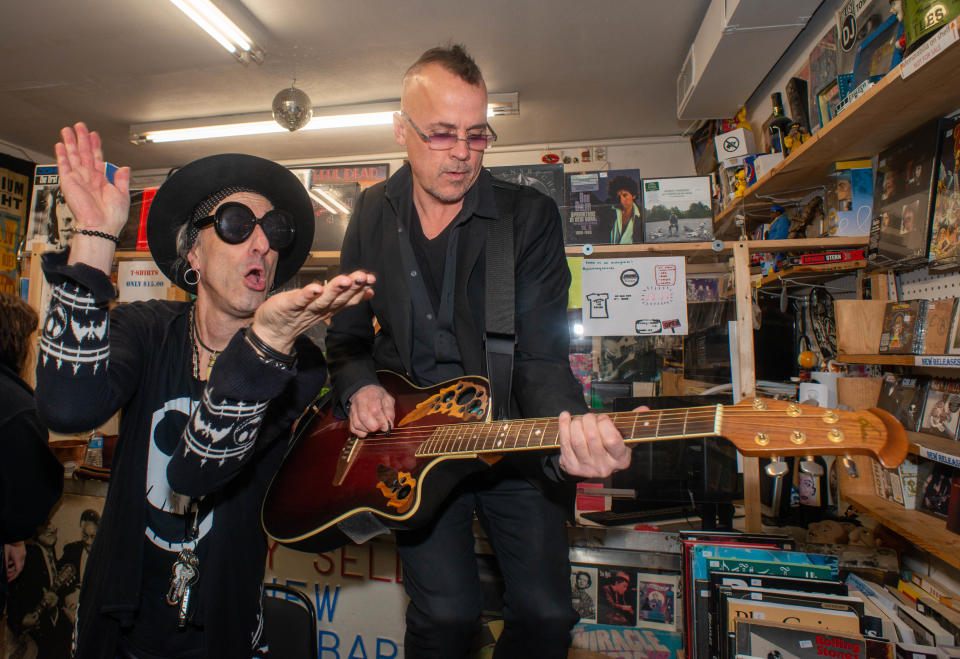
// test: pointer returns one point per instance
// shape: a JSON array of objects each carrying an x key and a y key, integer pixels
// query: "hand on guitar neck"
[{"x": 590, "y": 445}]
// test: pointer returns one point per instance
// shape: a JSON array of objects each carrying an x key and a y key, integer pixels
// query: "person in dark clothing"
[
  {"x": 209, "y": 391},
  {"x": 31, "y": 479},
  {"x": 424, "y": 233},
  {"x": 35, "y": 616},
  {"x": 76, "y": 553}
]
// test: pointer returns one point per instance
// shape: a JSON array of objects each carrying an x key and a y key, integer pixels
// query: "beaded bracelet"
[
  {"x": 99, "y": 234},
  {"x": 285, "y": 360}
]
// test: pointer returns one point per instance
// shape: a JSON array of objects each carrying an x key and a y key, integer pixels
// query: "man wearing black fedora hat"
[
  {"x": 208, "y": 391},
  {"x": 434, "y": 233}
]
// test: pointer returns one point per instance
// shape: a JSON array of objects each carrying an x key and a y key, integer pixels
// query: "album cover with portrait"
[
  {"x": 941, "y": 412},
  {"x": 51, "y": 221},
  {"x": 603, "y": 208},
  {"x": 933, "y": 487},
  {"x": 902, "y": 197},
  {"x": 903, "y": 397},
  {"x": 617, "y": 597}
]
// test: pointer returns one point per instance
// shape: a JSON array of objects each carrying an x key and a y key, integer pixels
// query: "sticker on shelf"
[{"x": 930, "y": 49}]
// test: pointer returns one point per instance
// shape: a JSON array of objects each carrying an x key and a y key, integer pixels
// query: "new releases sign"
[
  {"x": 625, "y": 297},
  {"x": 357, "y": 592}
]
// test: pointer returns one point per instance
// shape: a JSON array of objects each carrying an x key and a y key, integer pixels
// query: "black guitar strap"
[{"x": 499, "y": 304}]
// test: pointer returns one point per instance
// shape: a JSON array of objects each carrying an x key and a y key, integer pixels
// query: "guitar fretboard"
[{"x": 534, "y": 434}]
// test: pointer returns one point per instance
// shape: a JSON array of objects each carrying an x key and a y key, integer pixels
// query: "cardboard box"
[
  {"x": 859, "y": 325},
  {"x": 765, "y": 162},
  {"x": 734, "y": 144}
]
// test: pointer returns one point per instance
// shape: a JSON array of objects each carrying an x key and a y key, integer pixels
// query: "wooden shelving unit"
[
  {"x": 927, "y": 532},
  {"x": 899, "y": 360},
  {"x": 938, "y": 449},
  {"x": 890, "y": 109}
]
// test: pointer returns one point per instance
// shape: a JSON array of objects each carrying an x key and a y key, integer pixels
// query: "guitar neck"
[{"x": 544, "y": 434}]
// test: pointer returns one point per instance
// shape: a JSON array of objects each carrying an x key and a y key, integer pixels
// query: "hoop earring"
[{"x": 195, "y": 276}]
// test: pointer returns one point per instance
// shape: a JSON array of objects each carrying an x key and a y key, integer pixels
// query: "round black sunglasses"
[{"x": 235, "y": 222}]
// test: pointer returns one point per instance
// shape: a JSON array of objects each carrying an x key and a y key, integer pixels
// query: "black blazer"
[{"x": 543, "y": 384}]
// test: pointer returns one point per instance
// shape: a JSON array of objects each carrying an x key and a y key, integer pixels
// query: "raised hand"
[
  {"x": 284, "y": 316},
  {"x": 96, "y": 203}
]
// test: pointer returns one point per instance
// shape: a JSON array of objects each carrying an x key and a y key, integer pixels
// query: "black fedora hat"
[{"x": 186, "y": 188}]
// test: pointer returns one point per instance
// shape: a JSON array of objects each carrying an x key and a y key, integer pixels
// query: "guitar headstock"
[{"x": 765, "y": 427}]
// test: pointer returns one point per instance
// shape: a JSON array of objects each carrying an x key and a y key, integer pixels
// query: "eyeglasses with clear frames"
[{"x": 446, "y": 141}]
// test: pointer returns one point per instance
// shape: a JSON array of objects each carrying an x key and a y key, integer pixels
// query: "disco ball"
[{"x": 292, "y": 108}]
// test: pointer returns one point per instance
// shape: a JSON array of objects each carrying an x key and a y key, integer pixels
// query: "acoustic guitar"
[{"x": 334, "y": 488}]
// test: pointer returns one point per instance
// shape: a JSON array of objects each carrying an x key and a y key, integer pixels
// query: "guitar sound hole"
[
  {"x": 468, "y": 394},
  {"x": 447, "y": 397},
  {"x": 403, "y": 492}
]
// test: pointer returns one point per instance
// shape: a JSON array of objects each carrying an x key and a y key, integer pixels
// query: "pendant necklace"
[{"x": 196, "y": 352}]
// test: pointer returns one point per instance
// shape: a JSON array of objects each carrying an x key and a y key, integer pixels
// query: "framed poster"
[
  {"x": 677, "y": 209},
  {"x": 334, "y": 190}
]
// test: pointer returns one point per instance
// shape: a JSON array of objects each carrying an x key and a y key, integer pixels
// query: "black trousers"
[{"x": 529, "y": 538}]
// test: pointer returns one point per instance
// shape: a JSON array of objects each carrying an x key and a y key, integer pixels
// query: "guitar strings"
[{"x": 485, "y": 431}]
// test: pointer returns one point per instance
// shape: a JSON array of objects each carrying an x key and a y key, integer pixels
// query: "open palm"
[{"x": 96, "y": 203}]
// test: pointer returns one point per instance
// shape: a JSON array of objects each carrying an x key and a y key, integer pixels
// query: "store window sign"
[
  {"x": 357, "y": 591},
  {"x": 633, "y": 296}
]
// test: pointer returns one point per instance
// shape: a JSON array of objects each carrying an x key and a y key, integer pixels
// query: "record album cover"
[
  {"x": 903, "y": 397},
  {"x": 937, "y": 320},
  {"x": 823, "y": 71},
  {"x": 677, "y": 209},
  {"x": 603, "y": 208},
  {"x": 945, "y": 226},
  {"x": 900, "y": 321},
  {"x": 547, "y": 179},
  {"x": 902, "y": 196},
  {"x": 941, "y": 412}
]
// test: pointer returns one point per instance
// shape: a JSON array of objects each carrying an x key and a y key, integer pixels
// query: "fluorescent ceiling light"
[
  {"x": 215, "y": 23},
  {"x": 260, "y": 123}
]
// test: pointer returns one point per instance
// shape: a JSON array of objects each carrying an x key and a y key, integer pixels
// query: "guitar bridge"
[{"x": 345, "y": 459}]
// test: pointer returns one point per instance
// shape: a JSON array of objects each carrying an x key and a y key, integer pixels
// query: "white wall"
[
  {"x": 653, "y": 156},
  {"x": 25, "y": 154},
  {"x": 794, "y": 59}
]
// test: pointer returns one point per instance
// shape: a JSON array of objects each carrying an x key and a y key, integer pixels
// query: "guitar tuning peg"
[
  {"x": 776, "y": 468},
  {"x": 850, "y": 466},
  {"x": 809, "y": 466}
]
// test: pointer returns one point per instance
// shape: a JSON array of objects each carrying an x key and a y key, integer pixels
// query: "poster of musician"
[
  {"x": 42, "y": 600},
  {"x": 51, "y": 221}
]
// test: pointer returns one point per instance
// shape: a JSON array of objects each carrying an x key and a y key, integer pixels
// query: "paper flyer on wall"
[
  {"x": 13, "y": 211},
  {"x": 635, "y": 296},
  {"x": 140, "y": 280}
]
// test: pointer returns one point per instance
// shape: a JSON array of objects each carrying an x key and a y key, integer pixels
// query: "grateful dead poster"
[{"x": 334, "y": 190}]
